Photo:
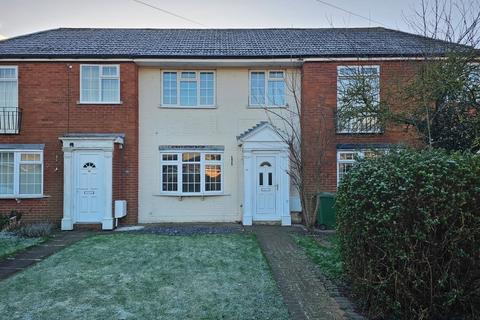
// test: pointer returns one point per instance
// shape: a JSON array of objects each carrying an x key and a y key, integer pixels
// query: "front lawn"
[
  {"x": 324, "y": 253},
  {"x": 135, "y": 276},
  {"x": 10, "y": 243}
]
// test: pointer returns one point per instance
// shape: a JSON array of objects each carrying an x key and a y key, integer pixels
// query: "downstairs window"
[
  {"x": 21, "y": 174},
  {"x": 191, "y": 172},
  {"x": 346, "y": 159}
]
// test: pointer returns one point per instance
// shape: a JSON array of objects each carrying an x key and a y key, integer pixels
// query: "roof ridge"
[{"x": 215, "y": 29}]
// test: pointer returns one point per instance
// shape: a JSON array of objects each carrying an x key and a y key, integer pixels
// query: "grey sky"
[{"x": 25, "y": 16}]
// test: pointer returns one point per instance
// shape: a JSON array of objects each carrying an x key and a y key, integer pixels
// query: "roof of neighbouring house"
[{"x": 218, "y": 43}]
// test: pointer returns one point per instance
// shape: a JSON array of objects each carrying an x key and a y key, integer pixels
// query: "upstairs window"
[
  {"x": 21, "y": 174},
  {"x": 358, "y": 98},
  {"x": 267, "y": 88},
  {"x": 8, "y": 87},
  {"x": 99, "y": 84},
  {"x": 188, "y": 88},
  {"x": 191, "y": 173}
]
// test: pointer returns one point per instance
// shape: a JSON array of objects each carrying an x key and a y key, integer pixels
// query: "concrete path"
[
  {"x": 306, "y": 295},
  {"x": 26, "y": 258}
]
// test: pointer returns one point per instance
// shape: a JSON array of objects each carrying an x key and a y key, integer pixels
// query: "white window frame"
[
  {"x": 267, "y": 79},
  {"x": 100, "y": 77},
  {"x": 203, "y": 163},
  {"x": 197, "y": 80},
  {"x": 10, "y": 80},
  {"x": 16, "y": 173},
  {"x": 357, "y": 67},
  {"x": 358, "y": 153}
]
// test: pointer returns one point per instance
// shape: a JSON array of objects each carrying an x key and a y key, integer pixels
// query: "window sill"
[
  {"x": 187, "y": 107},
  {"x": 80, "y": 103},
  {"x": 267, "y": 107},
  {"x": 20, "y": 197}
]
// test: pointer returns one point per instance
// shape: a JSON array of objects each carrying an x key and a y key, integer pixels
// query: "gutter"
[{"x": 227, "y": 62}]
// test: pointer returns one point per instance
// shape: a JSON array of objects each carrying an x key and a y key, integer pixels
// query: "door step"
[
  {"x": 267, "y": 223},
  {"x": 87, "y": 227}
]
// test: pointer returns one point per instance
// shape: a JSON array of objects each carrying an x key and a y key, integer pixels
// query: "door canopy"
[{"x": 262, "y": 136}]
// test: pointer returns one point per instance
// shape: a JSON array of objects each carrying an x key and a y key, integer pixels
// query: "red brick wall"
[
  {"x": 48, "y": 114},
  {"x": 319, "y": 102}
]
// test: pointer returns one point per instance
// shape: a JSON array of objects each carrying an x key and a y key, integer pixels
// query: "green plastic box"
[{"x": 326, "y": 215}]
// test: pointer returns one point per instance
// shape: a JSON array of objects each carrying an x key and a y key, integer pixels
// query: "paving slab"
[{"x": 24, "y": 259}]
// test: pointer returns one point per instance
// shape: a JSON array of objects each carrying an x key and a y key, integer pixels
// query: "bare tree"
[
  {"x": 440, "y": 100},
  {"x": 456, "y": 22},
  {"x": 304, "y": 175}
]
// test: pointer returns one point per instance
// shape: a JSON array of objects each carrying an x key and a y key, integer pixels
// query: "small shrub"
[
  {"x": 4, "y": 221},
  {"x": 15, "y": 215},
  {"x": 409, "y": 233},
  {"x": 11, "y": 221},
  {"x": 35, "y": 230}
]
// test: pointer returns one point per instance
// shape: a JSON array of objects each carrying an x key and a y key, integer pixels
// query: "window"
[
  {"x": 99, "y": 84},
  {"x": 267, "y": 88},
  {"x": 188, "y": 88},
  {"x": 473, "y": 82},
  {"x": 191, "y": 172},
  {"x": 8, "y": 87},
  {"x": 346, "y": 159},
  {"x": 358, "y": 97},
  {"x": 21, "y": 173}
]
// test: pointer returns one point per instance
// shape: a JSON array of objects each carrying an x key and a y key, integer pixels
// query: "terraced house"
[{"x": 107, "y": 126}]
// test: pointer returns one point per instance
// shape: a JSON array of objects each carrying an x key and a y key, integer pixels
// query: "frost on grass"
[
  {"x": 138, "y": 276},
  {"x": 10, "y": 243}
]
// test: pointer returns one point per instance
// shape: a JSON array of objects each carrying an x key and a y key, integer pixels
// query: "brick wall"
[
  {"x": 48, "y": 96},
  {"x": 319, "y": 102}
]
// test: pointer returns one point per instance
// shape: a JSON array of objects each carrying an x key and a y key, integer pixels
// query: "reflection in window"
[
  {"x": 213, "y": 177},
  {"x": 191, "y": 172},
  {"x": 358, "y": 97}
]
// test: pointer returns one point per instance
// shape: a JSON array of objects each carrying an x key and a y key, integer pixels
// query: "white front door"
[
  {"x": 266, "y": 189},
  {"x": 89, "y": 187}
]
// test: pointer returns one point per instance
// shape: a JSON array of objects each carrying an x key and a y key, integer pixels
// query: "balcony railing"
[
  {"x": 364, "y": 124},
  {"x": 10, "y": 120}
]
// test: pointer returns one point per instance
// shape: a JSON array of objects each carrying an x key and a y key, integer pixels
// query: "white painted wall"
[{"x": 172, "y": 126}]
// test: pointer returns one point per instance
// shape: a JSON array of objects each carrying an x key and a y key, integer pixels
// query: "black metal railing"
[
  {"x": 359, "y": 124},
  {"x": 10, "y": 120}
]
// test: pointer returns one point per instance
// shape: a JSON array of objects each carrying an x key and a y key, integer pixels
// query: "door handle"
[{"x": 276, "y": 186}]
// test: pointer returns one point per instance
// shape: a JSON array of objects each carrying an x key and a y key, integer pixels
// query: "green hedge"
[{"x": 409, "y": 234}]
